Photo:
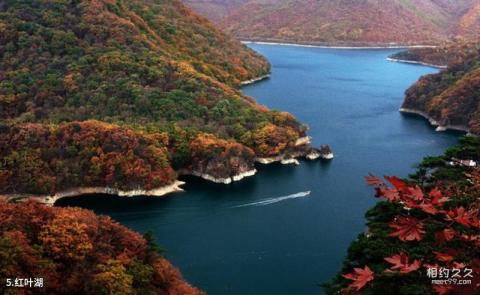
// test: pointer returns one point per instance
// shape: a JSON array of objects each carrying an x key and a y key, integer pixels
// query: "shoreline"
[
  {"x": 223, "y": 180},
  {"x": 433, "y": 122},
  {"x": 75, "y": 192},
  {"x": 50, "y": 200},
  {"x": 416, "y": 63},
  {"x": 254, "y": 80},
  {"x": 326, "y": 46},
  {"x": 308, "y": 153}
]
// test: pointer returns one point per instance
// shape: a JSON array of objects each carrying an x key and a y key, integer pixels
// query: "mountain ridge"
[{"x": 346, "y": 22}]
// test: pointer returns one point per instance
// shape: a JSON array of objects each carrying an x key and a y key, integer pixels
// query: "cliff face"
[
  {"x": 451, "y": 98},
  {"x": 347, "y": 22},
  {"x": 74, "y": 251},
  {"x": 150, "y": 77},
  {"x": 221, "y": 161}
]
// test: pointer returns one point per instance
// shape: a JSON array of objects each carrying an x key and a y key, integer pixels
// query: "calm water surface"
[{"x": 267, "y": 235}]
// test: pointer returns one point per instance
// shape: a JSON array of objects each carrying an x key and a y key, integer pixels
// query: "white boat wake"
[{"x": 270, "y": 201}]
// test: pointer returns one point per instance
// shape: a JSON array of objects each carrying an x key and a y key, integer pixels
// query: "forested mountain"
[
  {"x": 469, "y": 24},
  {"x": 73, "y": 251},
  {"x": 347, "y": 22},
  {"x": 158, "y": 81},
  {"x": 450, "y": 98},
  {"x": 119, "y": 95}
]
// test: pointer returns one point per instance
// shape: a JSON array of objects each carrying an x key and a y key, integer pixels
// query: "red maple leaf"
[
  {"x": 399, "y": 184},
  {"x": 400, "y": 263},
  {"x": 409, "y": 203},
  {"x": 443, "y": 289},
  {"x": 435, "y": 193},
  {"x": 360, "y": 277},
  {"x": 461, "y": 216},
  {"x": 437, "y": 197},
  {"x": 428, "y": 208},
  {"x": 449, "y": 234},
  {"x": 443, "y": 256},
  {"x": 415, "y": 193},
  {"x": 389, "y": 194},
  {"x": 445, "y": 235},
  {"x": 407, "y": 228},
  {"x": 474, "y": 221},
  {"x": 373, "y": 180},
  {"x": 471, "y": 238}
]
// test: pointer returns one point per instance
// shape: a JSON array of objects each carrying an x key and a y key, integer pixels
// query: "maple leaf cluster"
[
  {"x": 433, "y": 205},
  {"x": 431, "y": 218}
]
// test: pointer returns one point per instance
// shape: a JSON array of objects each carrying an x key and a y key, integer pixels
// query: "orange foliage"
[
  {"x": 346, "y": 22},
  {"x": 76, "y": 251},
  {"x": 208, "y": 144},
  {"x": 272, "y": 140},
  {"x": 43, "y": 159},
  {"x": 451, "y": 96}
]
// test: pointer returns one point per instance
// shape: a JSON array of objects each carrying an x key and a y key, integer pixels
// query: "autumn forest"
[
  {"x": 131, "y": 96},
  {"x": 148, "y": 91}
]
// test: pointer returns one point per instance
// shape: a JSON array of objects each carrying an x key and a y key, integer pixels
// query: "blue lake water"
[{"x": 266, "y": 234}]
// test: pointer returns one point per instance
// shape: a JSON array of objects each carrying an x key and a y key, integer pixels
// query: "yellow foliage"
[{"x": 8, "y": 98}]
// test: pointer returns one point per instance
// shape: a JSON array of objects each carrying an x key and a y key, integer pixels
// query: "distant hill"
[
  {"x": 469, "y": 24},
  {"x": 346, "y": 22},
  {"x": 450, "y": 98},
  {"x": 448, "y": 53},
  {"x": 215, "y": 10}
]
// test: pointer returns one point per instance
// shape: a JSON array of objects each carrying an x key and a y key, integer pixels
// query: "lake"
[{"x": 268, "y": 234}]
